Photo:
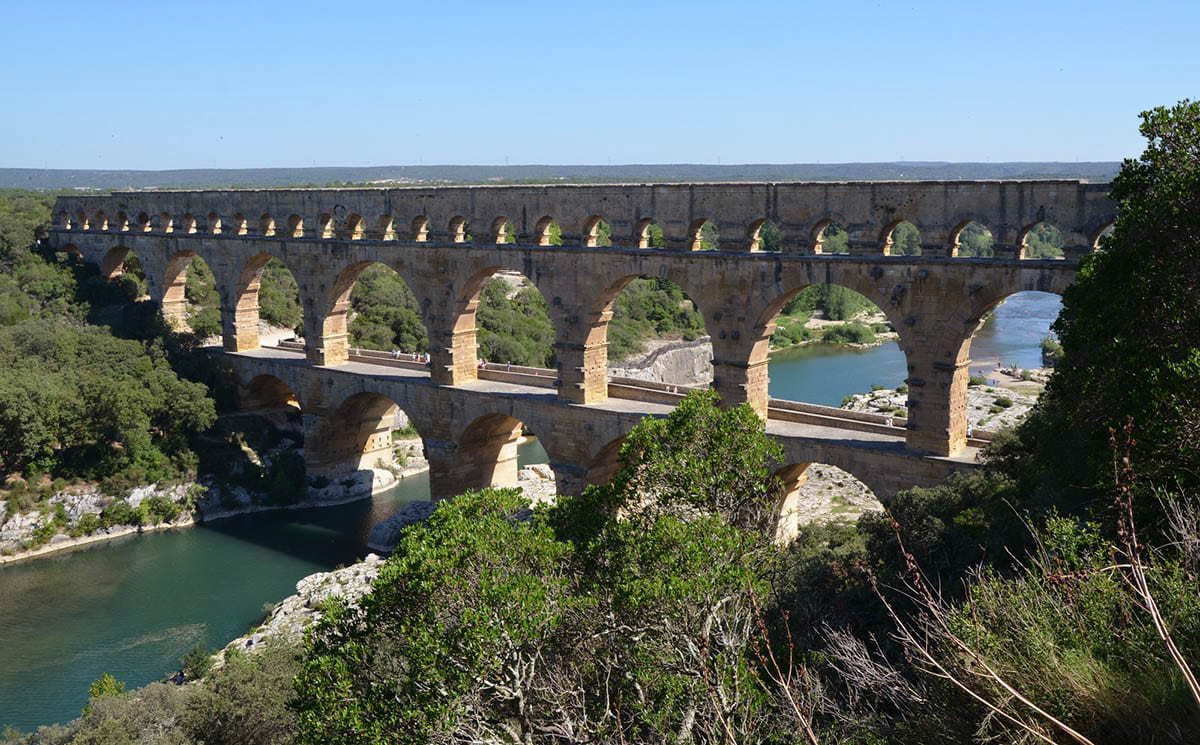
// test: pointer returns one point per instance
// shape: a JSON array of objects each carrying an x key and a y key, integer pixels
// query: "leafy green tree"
[
  {"x": 385, "y": 313},
  {"x": 1130, "y": 332},
  {"x": 279, "y": 296}
]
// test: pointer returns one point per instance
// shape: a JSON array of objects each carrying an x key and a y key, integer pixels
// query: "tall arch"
[
  {"x": 190, "y": 300},
  {"x": 389, "y": 319},
  {"x": 262, "y": 278}
]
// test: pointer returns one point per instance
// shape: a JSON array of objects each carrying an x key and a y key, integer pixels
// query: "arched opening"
[
  {"x": 166, "y": 223},
  {"x": 101, "y": 221},
  {"x": 72, "y": 253},
  {"x": 239, "y": 225},
  {"x": 818, "y": 493},
  {"x": 385, "y": 228},
  {"x": 902, "y": 239},
  {"x": 972, "y": 240},
  {"x": 649, "y": 234},
  {"x": 420, "y": 229},
  {"x": 511, "y": 320},
  {"x": 266, "y": 225},
  {"x": 547, "y": 232},
  {"x": 458, "y": 229},
  {"x": 1041, "y": 241},
  {"x": 830, "y": 237},
  {"x": 268, "y": 308},
  {"x": 121, "y": 222},
  {"x": 268, "y": 392},
  {"x": 605, "y": 463},
  {"x": 214, "y": 223},
  {"x": 325, "y": 226},
  {"x": 354, "y": 227},
  {"x": 825, "y": 342},
  {"x": 295, "y": 226},
  {"x": 64, "y": 220},
  {"x": 656, "y": 334},
  {"x": 122, "y": 265},
  {"x": 363, "y": 446},
  {"x": 190, "y": 299},
  {"x": 83, "y": 222},
  {"x": 503, "y": 231},
  {"x": 704, "y": 236},
  {"x": 188, "y": 223},
  {"x": 497, "y": 450},
  {"x": 1013, "y": 342},
  {"x": 144, "y": 223},
  {"x": 1098, "y": 238},
  {"x": 378, "y": 308},
  {"x": 597, "y": 232},
  {"x": 765, "y": 235}
]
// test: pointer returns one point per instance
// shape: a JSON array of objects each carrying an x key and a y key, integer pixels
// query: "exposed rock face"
[
  {"x": 288, "y": 619},
  {"x": 676, "y": 362},
  {"x": 986, "y": 407}
]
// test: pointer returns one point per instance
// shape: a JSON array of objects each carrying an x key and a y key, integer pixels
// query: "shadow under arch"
[
  {"x": 353, "y": 446},
  {"x": 266, "y": 391},
  {"x": 375, "y": 305}
]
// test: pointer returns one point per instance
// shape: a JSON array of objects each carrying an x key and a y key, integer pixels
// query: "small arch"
[
  {"x": 503, "y": 231},
  {"x": 64, "y": 220},
  {"x": 1098, "y": 237},
  {"x": 830, "y": 237},
  {"x": 971, "y": 239},
  {"x": 144, "y": 223},
  {"x": 1041, "y": 240},
  {"x": 547, "y": 233},
  {"x": 649, "y": 234},
  {"x": 266, "y": 225},
  {"x": 385, "y": 228},
  {"x": 325, "y": 225},
  {"x": 458, "y": 229},
  {"x": 487, "y": 451},
  {"x": 73, "y": 252},
  {"x": 295, "y": 226},
  {"x": 754, "y": 235},
  {"x": 83, "y": 221},
  {"x": 354, "y": 227},
  {"x": 596, "y": 232},
  {"x": 901, "y": 238},
  {"x": 268, "y": 392},
  {"x": 189, "y": 223},
  {"x": 420, "y": 229},
  {"x": 240, "y": 225},
  {"x": 214, "y": 223},
  {"x": 703, "y": 236},
  {"x": 122, "y": 222},
  {"x": 101, "y": 221},
  {"x": 166, "y": 223}
]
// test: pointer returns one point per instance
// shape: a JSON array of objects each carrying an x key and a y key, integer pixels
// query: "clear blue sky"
[{"x": 162, "y": 84}]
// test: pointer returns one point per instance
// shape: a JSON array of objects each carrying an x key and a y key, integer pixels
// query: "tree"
[{"x": 1130, "y": 329}]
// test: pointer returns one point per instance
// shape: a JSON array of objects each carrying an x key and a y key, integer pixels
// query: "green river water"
[{"x": 135, "y": 605}]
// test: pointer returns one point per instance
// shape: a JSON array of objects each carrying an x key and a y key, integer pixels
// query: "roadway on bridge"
[{"x": 414, "y": 375}]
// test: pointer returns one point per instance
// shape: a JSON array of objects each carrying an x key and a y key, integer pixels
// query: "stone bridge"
[{"x": 445, "y": 242}]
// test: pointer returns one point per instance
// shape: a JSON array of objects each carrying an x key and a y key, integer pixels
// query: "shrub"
[
  {"x": 976, "y": 380},
  {"x": 197, "y": 662},
  {"x": 157, "y": 509},
  {"x": 849, "y": 333},
  {"x": 902, "y": 388},
  {"x": 89, "y": 522},
  {"x": 118, "y": 512},
  {"x": 1004, "y": 402}
]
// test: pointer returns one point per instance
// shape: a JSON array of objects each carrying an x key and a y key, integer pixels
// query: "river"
[{"x": 134, "y": 606}]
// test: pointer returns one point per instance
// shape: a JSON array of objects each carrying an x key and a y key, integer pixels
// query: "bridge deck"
[{"x": 852, "y": 434}]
